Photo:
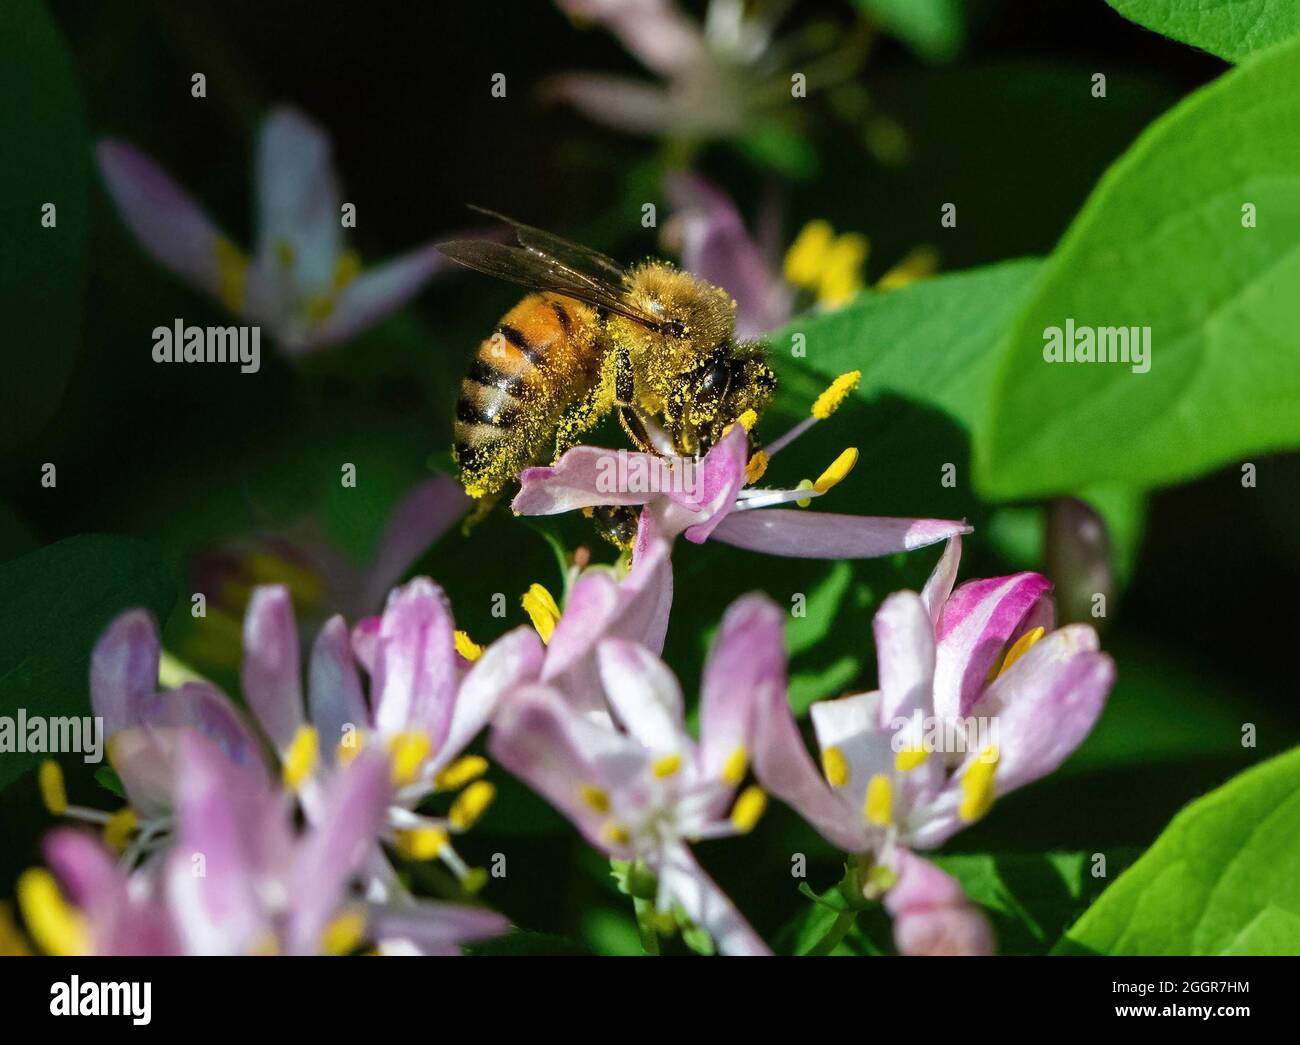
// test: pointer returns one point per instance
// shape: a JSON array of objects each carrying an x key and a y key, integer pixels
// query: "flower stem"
[{"x": 839, "y": 929}]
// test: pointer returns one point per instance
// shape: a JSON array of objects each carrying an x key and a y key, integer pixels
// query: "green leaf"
[
  {"x": 1161, "y": 244},
  {"x": 932, "y": 28},
  {"x": 1232, "y": 29},
  {"x": 54, "y": 604},
  {"x": 1221, "y": 879},
  {"x": 42, "y": 270}
]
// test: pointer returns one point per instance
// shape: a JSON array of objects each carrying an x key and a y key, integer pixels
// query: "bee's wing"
[
  {"x": 572, "y": 255},
  {"x": 540, "y": 271}
]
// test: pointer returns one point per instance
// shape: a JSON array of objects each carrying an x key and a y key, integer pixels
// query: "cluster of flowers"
[{"x": 222, "y": 854}]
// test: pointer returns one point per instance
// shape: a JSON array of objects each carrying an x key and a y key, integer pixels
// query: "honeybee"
[{"x": 652, "y": 342}]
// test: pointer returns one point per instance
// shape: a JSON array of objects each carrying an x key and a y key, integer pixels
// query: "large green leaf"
[
  {"x": 1221, "y": 879},
  {"x": 1161, "y": 244},
  {"x": 1232, "y": 29},
  {"x": 54, "y": 603},
  {"x": 41, "y": 269}
]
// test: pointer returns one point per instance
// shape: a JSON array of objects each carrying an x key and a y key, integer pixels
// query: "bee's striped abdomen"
[{"x": 537, "y": 363}]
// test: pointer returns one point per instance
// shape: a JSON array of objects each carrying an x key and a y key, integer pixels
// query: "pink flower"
[
  {"x": 931, "y": 913},
  {"x": 301, "y": 282}
]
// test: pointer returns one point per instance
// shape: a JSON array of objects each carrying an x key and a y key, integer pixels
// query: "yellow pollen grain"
[
  {"x": 300, "y": 758},
  {"x": 461, "y": 772},
  {"x": 838, "y": 391},
  {"x": 57, "y": 928},
  {"x": 408, "y": 751},
  {"x": 878, "y": 807},
  {"x": 909, "y": 758},
  {"x": 596, "y": 798},
  {"x": 805, "y": 261},
  {"x": 542, "y": 610},
  {"x": 737, "y": 764},
  {"x": 421, "y": 843},
  {"x": 121, "y": 825},
  {"x": 347, "y": 266},
  {"x": 467, "y": 647},
  {"x": 667, "y": 765},
  {"x": 749, "y": 808},
  {"x": 344, "y": 934},
  {"x": 232, "y": 273},
  {"x": 835, "y": 766},
  {"x": 471, "y": 804},
  {"x": 1020, "y": 647},
  {"x": 977, "y": 785},
  {"x": 839, "y": 469},
  {"x": 50, "y": 779},
  {"x": 756, "y": 467}
]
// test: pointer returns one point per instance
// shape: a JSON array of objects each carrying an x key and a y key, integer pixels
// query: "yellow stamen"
[
  {"x": 408, "y": 751},
  {"x": 174, "y": 672},
  {"x": 804, "y": 484},
  {"x": 616, "y": 834},
  {"x": 756, "y": 468},
  {"x": 747, "y": 420},
  {"x": 749, "y": 808},
  {"x": 467, "y": 647},
  {"x": 879, "y": 880},
  {"x": 120, "y": 826},
  {"x": 805, "y": 261},
  {"x": 977, "y": 785},
  {"x": 838, "y": 391},
  {"x": 56, "y": 927},
  {"x": 265, "y": 568},
  {"x": 421, "y": 843},
  {"x": 835, "y": 766},
  {"x": 1020, "y": 647},
  {"x": 461, "y": 772},
  {"x": 471, "y": 804},
  {"x": 841, "y": 277},
  {"x": 232, "y": 273},
  {"x": 835, "y": 474},
  {"x": 542, "y": 610},
  {"x": 909, "y": 758},
  {"x": 919, "y": 263},
  {"x": 347, "y": 266},
  {"x": 596, "y": 797},
  {"x": 879, "y": 805},
  {"x": 349, "y": 747},
  {"x": 300, "y": 758},
  {"x": 737, "y": 764},
  {"x": 50, "y": 779},
  {"x": 344, "y": 934},
  {"x": 667, "y": 765}
]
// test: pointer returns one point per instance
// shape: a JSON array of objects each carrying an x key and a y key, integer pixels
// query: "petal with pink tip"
[
  {"x": 270, "y": 673},
  {"x": 416, "y": 672},
  {"x": 335, "y": 699},
  {"x": 124, "y": 669},
  {"x": 583, "y": 477},
  {"x": 514, "y": 660},
  {"x": 939, "y": 585},
  {"x": 825, "y": 535},
  {"x": 905, "y": 656},
  {"x": 378, "y": 291}
]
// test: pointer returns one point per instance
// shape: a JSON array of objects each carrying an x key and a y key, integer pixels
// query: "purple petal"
[
  {"x": 434, "y": 927},
  {"x": 583, "y": 477},
  {"x": 334, "y": 687},
  {"x": 662, "y": 38},
  {"x": 124, "y": 670},
  {"x": 977, "y": 622},
  {"x": 270, "y": 672},
  {"x": 423, "y": 515},
  {"x": 298, "y": 200},
  {"x": 514, "y": 660},
  {"x": 958, "y": 931},
  {"x": 905, "y": 655},
  {"x": 939, "y": 585},
  {"x": 379, "y": 290},
  {"x": 723, "y": 477},
  {"x": 166, "y": 221},
  {"x": 365, "y": 642},
  {"x": 617, "y": 101},
  {"x": 86, "y": 870},
  {"x": 683, "y": 879},
  {"x": 644, "y": 695},
  {"x": 921, "y": 885},
  {"x": 717, "y": 247},
  {"x": 202, "y": 707},
  {"x": 825, "y": 535},
  {"x": 415, "y": 673}
]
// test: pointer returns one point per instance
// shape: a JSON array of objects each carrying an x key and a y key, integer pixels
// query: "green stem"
[{"x": 835, "y": 934}]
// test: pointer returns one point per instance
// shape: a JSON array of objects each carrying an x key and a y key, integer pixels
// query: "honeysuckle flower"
[
  {"x": 720, "y": 79},
  {"x": 711, "y": 498},
  {"x": 636, "y": 785},
  {"x": 819, "y": 268},
  {"x": 978, "y": 696},
  {"x": 302, "y": 283},
  {"x": 931, "y": 913}
]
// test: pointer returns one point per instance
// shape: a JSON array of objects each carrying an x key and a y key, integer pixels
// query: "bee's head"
[{"x": 729, "y": 380}]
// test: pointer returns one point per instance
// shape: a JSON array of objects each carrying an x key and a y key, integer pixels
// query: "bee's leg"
[
  {"x": 635, "y": 429},
  {"x": 578, "y": 419},
  {"x": 624, "y": 380}
]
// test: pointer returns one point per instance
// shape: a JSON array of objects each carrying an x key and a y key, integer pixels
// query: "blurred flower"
[
  {"x": 1079, "y": 559},
  {"x": 819, "y": 268},
  {"x": 723, "y": 78},
  {"x": 635, "y": 783},
  {"x": 302, "y": 283},
  {"x": 959, "y": 666},
  {"x": 723, "y": 504},
  {"x": 931, "y": 913}
]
